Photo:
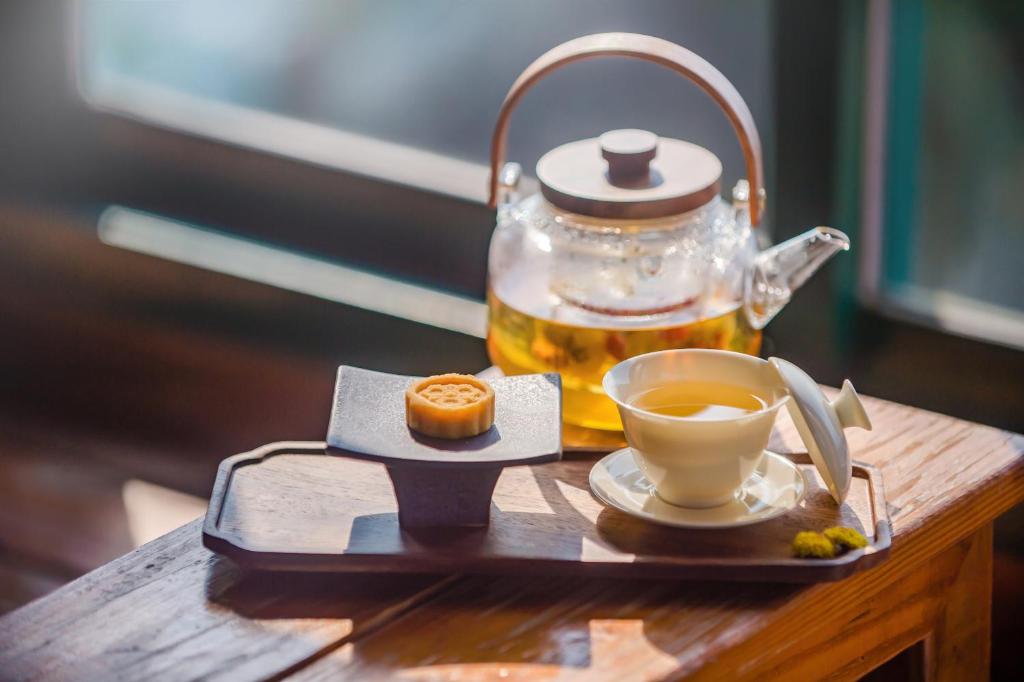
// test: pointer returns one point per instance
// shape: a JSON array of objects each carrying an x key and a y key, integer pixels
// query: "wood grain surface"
[
  {"x": 604, "y": 631},
  {"x": 172, "y": 608},
  {"x": 290, "y": 506}
]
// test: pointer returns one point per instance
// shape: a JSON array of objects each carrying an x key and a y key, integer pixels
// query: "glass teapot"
[{"x": 628, "y": 248}]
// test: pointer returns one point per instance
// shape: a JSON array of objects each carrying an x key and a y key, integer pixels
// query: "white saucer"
[{"x": 776, "y": 487}]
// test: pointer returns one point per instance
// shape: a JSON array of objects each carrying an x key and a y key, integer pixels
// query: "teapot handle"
[{"x": 648, "y": 48}]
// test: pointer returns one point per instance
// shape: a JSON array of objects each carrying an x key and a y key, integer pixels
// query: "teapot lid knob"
[{"x": 629, "y": 153}]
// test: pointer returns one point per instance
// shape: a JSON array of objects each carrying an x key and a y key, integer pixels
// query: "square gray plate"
[{"x": 368, "y": 422}]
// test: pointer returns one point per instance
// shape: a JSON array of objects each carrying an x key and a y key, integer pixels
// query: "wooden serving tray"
[{"x": 290, "y": 506}]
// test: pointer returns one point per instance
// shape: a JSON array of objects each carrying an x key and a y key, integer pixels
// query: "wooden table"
[{"x": 173, "y": 610}]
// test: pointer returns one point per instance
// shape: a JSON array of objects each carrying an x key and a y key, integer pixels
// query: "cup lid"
[
  {"x": 821, "y": 423},
  {"x": 629, "y": 174}
]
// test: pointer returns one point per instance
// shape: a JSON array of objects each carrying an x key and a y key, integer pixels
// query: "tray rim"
[{"x": 785, "y": 570}]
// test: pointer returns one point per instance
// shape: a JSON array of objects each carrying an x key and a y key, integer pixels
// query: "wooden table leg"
[
  {"x": 920, "y": 604},
  {"x": 959, "y": 646}
]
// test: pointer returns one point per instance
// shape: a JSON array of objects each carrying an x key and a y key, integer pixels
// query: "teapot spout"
[{"x": 779, "y": 271}]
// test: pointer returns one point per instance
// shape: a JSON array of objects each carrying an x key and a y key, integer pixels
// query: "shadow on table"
[
  {"x": 264, "y": 595},
  {"x": 483, "y": 625},
  {"x": 471, "y": 624}
]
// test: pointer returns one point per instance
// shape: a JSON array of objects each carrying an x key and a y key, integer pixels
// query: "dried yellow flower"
[
  {"x": 847, "y": 538},
  {"x": 810, "y": 545}
]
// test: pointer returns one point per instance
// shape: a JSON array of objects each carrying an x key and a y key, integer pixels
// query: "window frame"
[{"x": 887, "y": 170}]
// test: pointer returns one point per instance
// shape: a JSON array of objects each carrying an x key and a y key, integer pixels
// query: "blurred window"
[
  {"x": 423, "y": 75},
  {"x": 950, "y": 227}
]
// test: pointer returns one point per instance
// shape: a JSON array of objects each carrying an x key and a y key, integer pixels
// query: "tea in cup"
[{"x": 697, "y": 420}]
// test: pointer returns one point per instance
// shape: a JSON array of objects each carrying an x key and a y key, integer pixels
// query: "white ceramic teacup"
[{"x": 695, "y": 462}]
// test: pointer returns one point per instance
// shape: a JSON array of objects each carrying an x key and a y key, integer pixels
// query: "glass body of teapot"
[{"x": 575, "y": 295}]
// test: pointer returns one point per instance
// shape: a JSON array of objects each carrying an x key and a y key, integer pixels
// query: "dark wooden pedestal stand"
[
  {"x": 438, "y": 482},
  {"x": 429, "y": 497}
]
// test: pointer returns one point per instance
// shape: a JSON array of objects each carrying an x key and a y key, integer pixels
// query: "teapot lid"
[{"x": 629, "y": 174}]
